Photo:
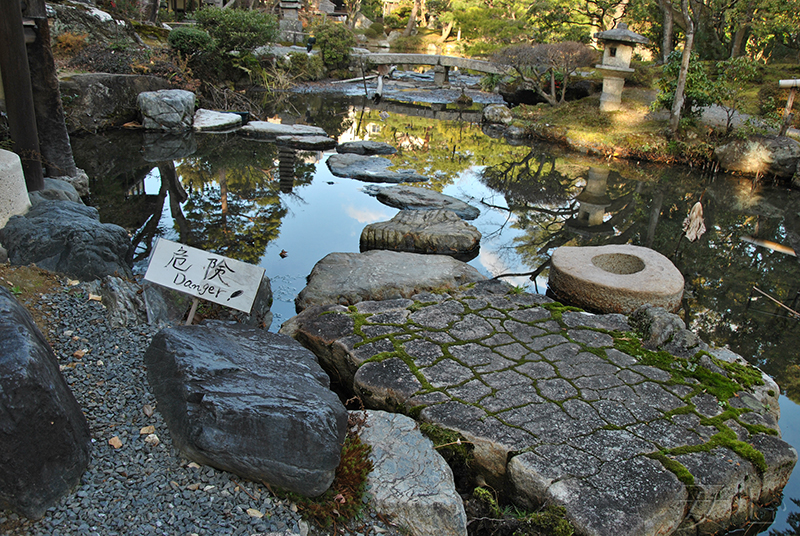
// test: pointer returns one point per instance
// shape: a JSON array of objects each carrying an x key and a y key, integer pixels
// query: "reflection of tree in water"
[
  {"x": 793, "y": 519},
  {"x": 234, "y": 207}
]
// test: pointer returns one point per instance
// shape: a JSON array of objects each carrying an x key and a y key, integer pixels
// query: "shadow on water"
[{"x": 282, "y": 209}]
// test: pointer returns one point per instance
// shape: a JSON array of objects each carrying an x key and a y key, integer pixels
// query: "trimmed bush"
[
  {"x": 335, "y": 42},
  {"x": 189, "y": 40},
  {"x": 236, "y": 29},
  {"x": 305, "y": 67}
]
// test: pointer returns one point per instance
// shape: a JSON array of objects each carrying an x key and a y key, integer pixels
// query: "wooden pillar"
[
  {"x": 787, "y": 112},
  {"x": 18, "y": 93}
]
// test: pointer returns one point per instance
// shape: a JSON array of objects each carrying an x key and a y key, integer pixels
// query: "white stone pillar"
[{"x": 13, "y": 192}]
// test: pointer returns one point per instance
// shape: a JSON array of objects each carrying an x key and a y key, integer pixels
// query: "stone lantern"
[{"x": 618, "y": 47}]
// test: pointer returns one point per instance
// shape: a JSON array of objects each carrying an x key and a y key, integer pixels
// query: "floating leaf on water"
[{"x": 693, "y": 225}]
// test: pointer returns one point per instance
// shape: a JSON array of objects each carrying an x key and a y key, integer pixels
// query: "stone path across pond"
[{"x": 566, "y": 407}]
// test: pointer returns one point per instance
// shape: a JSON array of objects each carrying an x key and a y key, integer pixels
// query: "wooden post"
[
  {"x": 18, "y": 93},
  {"x": 787, "y": 112}
]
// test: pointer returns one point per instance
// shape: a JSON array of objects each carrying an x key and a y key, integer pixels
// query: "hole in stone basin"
[{"x": 618, "y": 263}]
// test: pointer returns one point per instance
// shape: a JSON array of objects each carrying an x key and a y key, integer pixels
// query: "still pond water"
[{"x": 284, "y": 210}]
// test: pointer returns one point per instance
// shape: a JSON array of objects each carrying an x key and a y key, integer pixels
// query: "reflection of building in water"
[
  {"x": 592, "y": 204},
  {"x": 287, "y": 158}
]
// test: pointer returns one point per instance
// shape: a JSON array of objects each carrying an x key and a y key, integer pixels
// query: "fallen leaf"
[
  {"x": 147, "y": 430},
  {"x": 95, "y": 297},
  {"x": 78, "y": 354},
  {"x": 115, "y": 442},
  {"x": 340, "y": 499},
  {"x": 252, "y": 512},
  {"x": 73, "y": 282},
  {"x": 193, "y": 487},
  {"x": 152, "y": 440},
  {"x": 193, "y": 465},
  {"x": 148, "y": 410}
]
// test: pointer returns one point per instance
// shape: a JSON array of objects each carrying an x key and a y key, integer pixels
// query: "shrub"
[
  {"x": 101, "y": 59},
  {"x": 378, "y": 28},
  {"x": 335, "y": 42},
  {"x": 235, "y": 29},
  {"x": 305, "y": 67},
  {"x": 392, "y": 22},
  {"x": 697, "y": 94},
  {"x": 369, "y": 33},
  {"x": 69, "y": 44},
  {"x": 189, "y": 40}
]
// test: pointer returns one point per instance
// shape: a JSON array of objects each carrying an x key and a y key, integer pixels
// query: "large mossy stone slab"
[{"x": 566, "y": 407}]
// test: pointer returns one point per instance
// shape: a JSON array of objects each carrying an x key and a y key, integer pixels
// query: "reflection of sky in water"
[{"x": 790, "y": 432}]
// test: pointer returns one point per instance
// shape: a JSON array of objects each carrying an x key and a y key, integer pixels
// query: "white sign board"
[{"x": 204, "y": 275}]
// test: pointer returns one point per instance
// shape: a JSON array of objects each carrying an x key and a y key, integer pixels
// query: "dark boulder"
[
  {"x": 97, "y": 101},
  {"x": 248, "y": 401},
  {"x": 45, "y": 443},
  {"x": 67, "y": 237}
]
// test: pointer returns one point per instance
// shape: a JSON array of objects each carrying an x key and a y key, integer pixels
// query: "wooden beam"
[{"x": 18, "y": 93}]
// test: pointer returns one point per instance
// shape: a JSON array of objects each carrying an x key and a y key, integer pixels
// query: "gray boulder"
[
  {"x": 98, "y": 101},
  {"x": 410, "y": 481},
  {"x": 55, "y": 190},
  {"x": 764, "y": 155},
  {"x": 433, "y": 231},
  {"x": 662, "y": 330},
  {"x": 45, "y": 445},
  {"x": 370, "y": 169},
  {"x": 365, "y": 147},
  {"x": 66, "y": 237},
  {"x": 167, "y": 109},
  {"x": 348, "y": 278},
  {"x": 250, "y": 402},
  {"x": 123, "y": 300},
  {"x": 413, "y": 198},
  {"x": 498, "y": 113}
]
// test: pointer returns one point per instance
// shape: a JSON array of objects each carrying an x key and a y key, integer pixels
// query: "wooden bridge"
[{"x": 441, "y": 64}]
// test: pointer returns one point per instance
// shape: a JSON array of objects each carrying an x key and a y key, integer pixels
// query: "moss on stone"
[{"x": 675, "y": 467}]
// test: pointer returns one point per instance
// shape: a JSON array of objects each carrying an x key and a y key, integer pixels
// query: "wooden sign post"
[
  {"x": 793, "y": 84},
  {"x": 204, "y": 275}
]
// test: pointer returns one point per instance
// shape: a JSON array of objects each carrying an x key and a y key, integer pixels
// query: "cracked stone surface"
[{"x": 567, "y": 407}]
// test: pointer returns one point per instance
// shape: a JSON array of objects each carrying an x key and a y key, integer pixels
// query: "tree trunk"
[
  {"x": 446, "y": 31},
  {"x": 19, "y": 96},
  {"x": 677, "y": 104},
  {"x": 668, "y": 29},
  {"x": 412, "y": 19},
  {"x": 50, "y": 123}
]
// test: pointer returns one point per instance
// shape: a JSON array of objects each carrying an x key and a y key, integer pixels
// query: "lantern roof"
[{"x": 621, "y": 34}]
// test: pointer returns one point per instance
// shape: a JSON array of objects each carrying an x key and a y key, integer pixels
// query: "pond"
[{"x": 284, "y": 210}]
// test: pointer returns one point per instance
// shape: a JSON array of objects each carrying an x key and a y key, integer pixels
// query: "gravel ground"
[{"x": 137, "y": 483}]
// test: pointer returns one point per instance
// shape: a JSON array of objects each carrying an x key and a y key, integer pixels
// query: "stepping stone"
[
  {"x": 264, "y": 130},
  {"x": 366, "y": 148},
  {"x": 348, "y": 278},
  {"x": 432, "y": 231},
  {"x": 370, "y": 169},
  {"x": 211, "y": 120},
  {"x": 307, "y": 143},
  {"x": 414, "y": 198}
]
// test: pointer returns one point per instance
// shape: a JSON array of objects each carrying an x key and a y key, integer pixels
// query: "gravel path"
[{"x": 143, "y": 486}]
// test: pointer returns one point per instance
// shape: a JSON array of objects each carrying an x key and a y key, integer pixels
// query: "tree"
[
  {"x": 677, "y": 103},
  {"x": 728, "y": 89},
  {"x": 547, "y": 67},
  {"x": 697, "y": 92}
]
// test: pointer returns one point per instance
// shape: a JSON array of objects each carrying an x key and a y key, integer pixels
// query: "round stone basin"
[
  {"x": 618, "y": 263},
  {"x": 615, "y": 278}
]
